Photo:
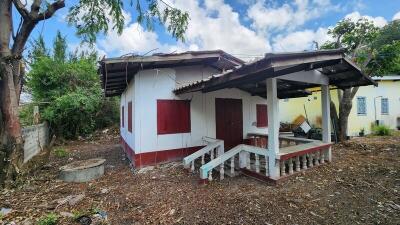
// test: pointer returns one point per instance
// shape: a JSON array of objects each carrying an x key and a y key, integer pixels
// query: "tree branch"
[
  {"x": 354, "y": 92},
  {"x": 50, "y": 10},
  {"x": 21, "y": 9}
]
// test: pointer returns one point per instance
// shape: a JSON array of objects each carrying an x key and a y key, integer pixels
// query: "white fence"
[{"x": 36, "y": 138}]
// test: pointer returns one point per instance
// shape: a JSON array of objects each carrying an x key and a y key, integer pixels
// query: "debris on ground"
[{"x": 360, "y": 186}]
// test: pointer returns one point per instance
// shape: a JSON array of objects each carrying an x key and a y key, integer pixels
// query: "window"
[
  {"x": 361, "y": 106},
  {"x": 385, "y": 106},
  {"x": 130, "y": 117},
  {"x": 173, "y": 116},
  {"x": 122, "y": 116},
  {"x": 262, "y": 117}
]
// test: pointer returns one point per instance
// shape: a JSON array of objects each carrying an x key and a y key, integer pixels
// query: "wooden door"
[{"x": 229, "y": 121}]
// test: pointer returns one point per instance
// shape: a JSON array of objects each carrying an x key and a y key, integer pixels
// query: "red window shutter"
[
  {"x": 262, "y": 116},
  {"x": 130, "y": 117},
  {"x": 173, "y": 116},
  {"x": 123, "y": 116}
]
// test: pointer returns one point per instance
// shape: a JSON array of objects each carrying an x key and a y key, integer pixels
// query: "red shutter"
[
  {"x": 173, "y": 116},
  {"x": 123, "y": 116},
  {"x": 262, "y": 116},
  {"x": 130, "y": 117}
]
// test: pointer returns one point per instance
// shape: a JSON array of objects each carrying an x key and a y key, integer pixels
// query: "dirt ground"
[{"x": 361, "y": 186}]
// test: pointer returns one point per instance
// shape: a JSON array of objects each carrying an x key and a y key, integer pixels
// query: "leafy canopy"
[
  {"x": 70, "y": 90},
  {"x": 91, "y": 17}
]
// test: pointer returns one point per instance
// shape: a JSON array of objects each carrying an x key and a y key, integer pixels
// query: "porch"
[{"x": 275, "y": 77}]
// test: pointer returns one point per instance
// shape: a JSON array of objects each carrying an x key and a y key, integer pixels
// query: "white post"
[
  {"x": 326, "y": 118},
  {"x": 273, "y": 128}
]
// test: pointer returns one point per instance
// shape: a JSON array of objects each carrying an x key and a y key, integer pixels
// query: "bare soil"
[{"x": 361, "y": 186}]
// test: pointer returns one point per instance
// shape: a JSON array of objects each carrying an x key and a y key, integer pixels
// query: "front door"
[{"x": 229, "y": 121}]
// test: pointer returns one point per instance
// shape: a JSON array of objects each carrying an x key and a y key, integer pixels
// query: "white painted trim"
[{"x": 326, "y": 117}]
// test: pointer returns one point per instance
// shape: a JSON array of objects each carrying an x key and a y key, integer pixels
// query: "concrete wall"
[
  {"x": 127, "y": 96},
  {"x": 387, "y": 89},
  {"x": 150, "y": 85},
  {"x": 36, "y": 137}
]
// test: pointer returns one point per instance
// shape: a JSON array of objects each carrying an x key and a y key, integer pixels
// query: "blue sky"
[{"x": 245, "y": 28}]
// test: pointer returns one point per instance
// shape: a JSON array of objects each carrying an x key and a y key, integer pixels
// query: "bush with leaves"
[
  {"x": 381, "y": 130},
  {"x": 69, "y": 90}
]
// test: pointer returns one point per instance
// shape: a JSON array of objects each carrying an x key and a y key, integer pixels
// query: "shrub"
[
  {"x": 49, "y": 219},
  {"x": 61, "y": 152},
  {"x": 381, "y": 130}
]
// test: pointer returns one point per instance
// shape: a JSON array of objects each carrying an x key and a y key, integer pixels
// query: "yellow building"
[{"x": 371, "y": 103}]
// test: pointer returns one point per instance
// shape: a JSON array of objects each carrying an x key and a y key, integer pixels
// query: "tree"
[
  {"x": 89, "y": 17},
  {"x": 364, "y": 44}
]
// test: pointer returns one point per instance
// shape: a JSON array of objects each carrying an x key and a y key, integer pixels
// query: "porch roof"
[
  {"x": 251, "y": 77},
  {"x": 115, "y": 73}
]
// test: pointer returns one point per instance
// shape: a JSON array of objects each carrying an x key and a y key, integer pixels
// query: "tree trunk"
[{"x": 11, "y": 145}]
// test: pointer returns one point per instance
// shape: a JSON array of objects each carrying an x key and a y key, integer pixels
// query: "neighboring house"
[
  {"x": 211, "y": 107},
  {"x": 371, "y": 105}
]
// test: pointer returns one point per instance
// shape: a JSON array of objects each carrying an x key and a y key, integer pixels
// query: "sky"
[{"x": 243, "y": 28}]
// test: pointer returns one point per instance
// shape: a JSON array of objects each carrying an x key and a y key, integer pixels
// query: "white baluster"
[
  {"x": 290, "y": 166},
  {"x": 257, "y": 163},
  {"x": 304, "y": 162},
  {"x": 233, "y": 165},
  {"x": 322, "y": 157},
  {"x": 283, "y": 168},
  {"x": 221, "y": 171},
  {"x": 248, "y": 166},
  {"x": 202, "y": 160},
  {"x": 212, "y": 154},
  {"x": 266, "y": 166},
  {"x": 210, "y": 175},
  {"x": 192, "y": 167},
  {"x": 310, "y": 160},
  {"x": 297, "y": 163},
  {"x": 317, "y": 158}
]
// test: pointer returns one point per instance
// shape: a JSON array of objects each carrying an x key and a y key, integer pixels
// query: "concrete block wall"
[{"x": 36, "y": 137}]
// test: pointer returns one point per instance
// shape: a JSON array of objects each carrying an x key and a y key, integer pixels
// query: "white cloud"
[
  {"x": 396, "y": 16},
  {"x": 300, "y": 40},
  {"x": 213, "y": 25},
  {"x": 378, "y": 21},
  {"x": 268, "y": 17}
]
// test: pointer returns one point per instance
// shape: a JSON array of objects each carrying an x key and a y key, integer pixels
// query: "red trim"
[
  {"x": 130, "y": 117},
  {"x": 262, "y": 116},
  {"x": 305, "y": 151},
  {"x": 156, "y": 157},
  {"x": 173, "y": 116}
]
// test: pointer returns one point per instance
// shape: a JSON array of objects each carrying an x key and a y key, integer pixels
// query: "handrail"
[
  {"x": 190, "y": 158},
  {"x": 206, "y": 168}
]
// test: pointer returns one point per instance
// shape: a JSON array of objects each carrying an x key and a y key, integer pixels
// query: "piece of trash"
[
  {"x": 84, "y": 220},
  {"x": 5, "y": 211}
]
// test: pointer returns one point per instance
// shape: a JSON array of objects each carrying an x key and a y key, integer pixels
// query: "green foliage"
[
  {"x": 381, "y": 130},
  {"x": 38, "y": 49},
  {"x": 60, "y": 47},
  {"x": 91, "y": 17},
  {"x": 61, "y": 152},
  {"x": 49, "y": 219},
  {"x": 71, "y": 89},
  {"x": 26, "y": 115}
]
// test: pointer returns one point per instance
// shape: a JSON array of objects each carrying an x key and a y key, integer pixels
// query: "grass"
[
  {"x": 381, "y": 130},
  {"x": 61, "y": 152},
  {"x": 49, "y": 219}
]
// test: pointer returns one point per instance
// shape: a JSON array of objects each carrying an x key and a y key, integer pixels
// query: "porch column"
[
  {"x": 273, "y": 127},
  {"x": 326, "y": 117}
]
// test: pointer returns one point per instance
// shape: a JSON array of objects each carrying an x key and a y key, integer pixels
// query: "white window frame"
[
  {"x": 387, "y": 106},
  {"x": 358, "y": 106}
]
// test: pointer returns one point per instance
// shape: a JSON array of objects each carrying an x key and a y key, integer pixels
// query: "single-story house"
[
  {"x": 371, "y": 105},
  {"x": 211, "y": 109}
]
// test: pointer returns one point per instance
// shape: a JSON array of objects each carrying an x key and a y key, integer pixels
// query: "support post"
[
  {"x": 326, "y": 118},
  {"x": 273, "y": 128}
]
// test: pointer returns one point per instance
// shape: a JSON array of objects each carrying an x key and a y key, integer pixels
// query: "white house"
[{"x": 210, "y": 108}]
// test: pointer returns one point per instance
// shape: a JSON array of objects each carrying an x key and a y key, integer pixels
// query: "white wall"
[
  {"x": 151, "y": 85},
  {"x": 127, "y": 96}
]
